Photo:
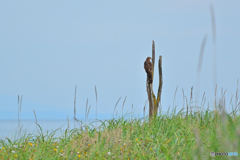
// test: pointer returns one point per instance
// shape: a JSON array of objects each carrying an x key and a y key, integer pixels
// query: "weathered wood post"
[{"x": 153, "y": 101}]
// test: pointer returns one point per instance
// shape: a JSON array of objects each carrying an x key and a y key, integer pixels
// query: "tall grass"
[{"x": 176, "y": 135}]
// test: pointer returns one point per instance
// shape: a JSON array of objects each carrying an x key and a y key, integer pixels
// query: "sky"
[{"x": 49, "y": 47}]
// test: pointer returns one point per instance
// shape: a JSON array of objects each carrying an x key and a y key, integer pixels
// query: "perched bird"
[{"x": 148, "y": 69}]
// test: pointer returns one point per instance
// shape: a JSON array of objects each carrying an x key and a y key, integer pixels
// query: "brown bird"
[{"x": 148, "y": 69}]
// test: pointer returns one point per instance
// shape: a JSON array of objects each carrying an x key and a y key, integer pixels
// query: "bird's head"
[{"x": 149, "y": 58}]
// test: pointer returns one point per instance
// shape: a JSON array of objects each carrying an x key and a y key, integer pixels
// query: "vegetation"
[
  {"x": 171, "y": 136},
  {"x": 186, "y": 134}
]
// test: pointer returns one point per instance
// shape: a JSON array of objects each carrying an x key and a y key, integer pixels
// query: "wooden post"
[
  {"x": 156, "y": 101},
  {"x": 153, "y": 101},
  {"x": 150, "y": 99}
]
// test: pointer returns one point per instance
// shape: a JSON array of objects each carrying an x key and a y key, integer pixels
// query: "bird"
[{"x": 148, "y": 69}]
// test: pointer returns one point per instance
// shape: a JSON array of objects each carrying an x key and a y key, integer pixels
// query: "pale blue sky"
[{"x": 48, "y": 47}]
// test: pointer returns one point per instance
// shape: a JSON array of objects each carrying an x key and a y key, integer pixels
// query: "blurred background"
[{"x": 48, "y": 47}]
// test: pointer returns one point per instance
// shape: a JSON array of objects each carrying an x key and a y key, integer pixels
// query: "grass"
[{"x": 171, "y": 136}]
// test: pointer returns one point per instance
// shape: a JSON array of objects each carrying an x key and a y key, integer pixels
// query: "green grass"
[{"x": 172, "y": 136}]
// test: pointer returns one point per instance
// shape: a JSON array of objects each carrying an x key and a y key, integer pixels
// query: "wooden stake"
[{"x": 153, "y": 101}]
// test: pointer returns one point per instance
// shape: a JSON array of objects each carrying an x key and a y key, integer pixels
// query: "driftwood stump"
[{"x": 153, "y": 101}]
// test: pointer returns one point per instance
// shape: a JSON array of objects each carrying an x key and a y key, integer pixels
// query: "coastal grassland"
[{"x": 166, "y": 136}]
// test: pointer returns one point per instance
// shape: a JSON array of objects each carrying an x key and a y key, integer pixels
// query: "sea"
[{"x": 12, "y": 129}]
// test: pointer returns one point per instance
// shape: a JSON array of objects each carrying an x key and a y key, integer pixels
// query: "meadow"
[{"x": 175, "y": 135}]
